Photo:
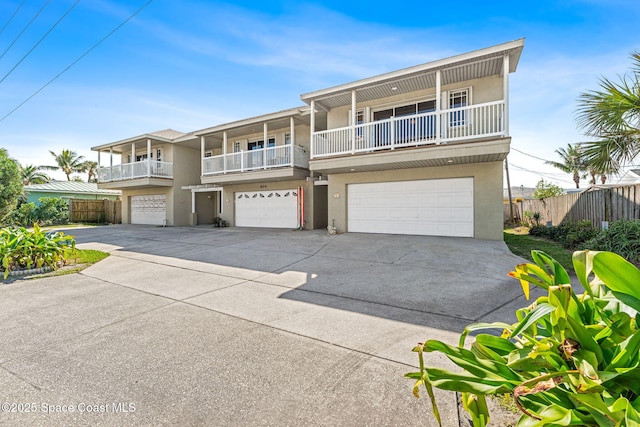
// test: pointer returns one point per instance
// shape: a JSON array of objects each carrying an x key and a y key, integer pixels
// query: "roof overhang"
[
  {"x": 125, "y": 144},
  {"x": 244, "y": 126},
  {"x": 472, "y": 65}
]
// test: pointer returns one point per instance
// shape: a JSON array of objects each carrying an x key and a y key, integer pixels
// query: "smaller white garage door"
[
  {"x": 151, "y": 209},
  {"x": 435, "y": 207},
  {"x": 272, "y": 209}
]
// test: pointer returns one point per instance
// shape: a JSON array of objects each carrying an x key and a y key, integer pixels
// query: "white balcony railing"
[
  {"x": 142, "y": 169},
  {"x": 474, "y": 121},
  {"x": 264, "y": 158}
]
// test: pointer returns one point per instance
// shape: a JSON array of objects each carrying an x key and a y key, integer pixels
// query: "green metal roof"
[{"x": 70, "y": 187}]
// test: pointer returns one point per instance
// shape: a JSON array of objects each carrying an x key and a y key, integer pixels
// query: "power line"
[
  {"x": 25, "y": 29},
  {"x": 542, "y": 174},
  {"x": 13, "y": 16},
  {"x": 39, "y": 41},
  {"x": 78, "y": 59},
  {"x": 530, "y": 155}
]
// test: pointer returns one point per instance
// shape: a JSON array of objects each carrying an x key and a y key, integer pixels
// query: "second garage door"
[
  {"x": 272, "y": 209},
  {"x": 435, "y": 207}
]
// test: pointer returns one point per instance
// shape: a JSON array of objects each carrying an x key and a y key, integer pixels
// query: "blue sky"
[{"x": 188, "y": 65}]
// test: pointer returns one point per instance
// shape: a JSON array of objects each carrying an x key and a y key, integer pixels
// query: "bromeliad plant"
[
  {"x": 24, "y": 249},
  {"x": 570, "y": 359}
]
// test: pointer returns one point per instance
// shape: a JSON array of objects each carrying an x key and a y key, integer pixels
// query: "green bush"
[
  {"x": 52, "y": 211},
  {"x": 569, "y": 359},
  {"x": 622, "y": 237},
  {"x": 24, "y": 249},
  {"x": 570, "y": 235}
]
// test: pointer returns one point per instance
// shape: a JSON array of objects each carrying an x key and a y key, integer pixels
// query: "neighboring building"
[
  {"x": 414, "y": 151},
  {"x": 69, "y": 190},
  {"x": 632, "y": 176}
]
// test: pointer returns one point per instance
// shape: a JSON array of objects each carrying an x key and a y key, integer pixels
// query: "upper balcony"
[
  {"x": 260, "y": 159},
  {"x": 456, "y": 124},
  {"x": 143, "y": 170}
]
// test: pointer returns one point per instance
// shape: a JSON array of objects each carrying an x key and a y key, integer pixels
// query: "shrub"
[
  {"x": 622, "y": 237},
  {"x": 52, "y": 211},
  {"x": 568, "y": 360},
  {"x": 24, "y": 249},
  {"x": 570, "y": 235}
]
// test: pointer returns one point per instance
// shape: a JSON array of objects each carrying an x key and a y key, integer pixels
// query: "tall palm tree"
[
  {"x": 572, "y": 162},
  {"x": 68, "y": 162},
  {"x": 611, "y": 114},
  {"x": 91, "y": 168},
  {"x": 32, "y": 175}
]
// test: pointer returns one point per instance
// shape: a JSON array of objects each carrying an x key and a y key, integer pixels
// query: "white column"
[
  {"x": 131, "y": 164},
  {"x": 193, "y": 201},
  {"x": 264, "y": 149},
  {"x": 111, "y": 157},
  {"x": 292, "y": 138},
  {"x": 505, "y": 94},
  {"x": 202, "y": 156},
  {"x": 149, "y": 157},
  {"x": 438, "y": 106},
  {"x": 133, "y": 152},
  {"x": 224, "y": 151},
  {"x": 353, "y": 121},
  {"x": 312, "y": 125}
]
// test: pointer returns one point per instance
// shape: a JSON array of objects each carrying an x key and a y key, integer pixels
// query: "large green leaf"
[
  {"x": 534, "y": 315},
  {"x": 619, "y": 275}
]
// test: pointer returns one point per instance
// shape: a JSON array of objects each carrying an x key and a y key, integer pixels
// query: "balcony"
[
  {"x": 142, "y": 170},
  {"x": 281, "y": 162},
  {"x": 457, "y": 124},
  {"x": 264, "y": 158}
]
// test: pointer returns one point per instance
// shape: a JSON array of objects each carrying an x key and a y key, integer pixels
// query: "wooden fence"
[
  {"x": 595, "y": 205},
  {"x": 109, "y": 211}
]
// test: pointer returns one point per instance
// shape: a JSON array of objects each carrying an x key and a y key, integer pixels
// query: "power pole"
[{"x": 506, "y": 168}]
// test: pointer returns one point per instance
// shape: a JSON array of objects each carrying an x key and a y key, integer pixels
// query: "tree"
[
  {"x": 91, "y": 168},
  {"x": 611, "y": 114},
  {"x": 10, "y": 184},
  {"x": 31, "y": 174},
  {"x": 546, "y": 189},
  {"x": 572, "y": 162},
  {"x": 68, "y": 162}
]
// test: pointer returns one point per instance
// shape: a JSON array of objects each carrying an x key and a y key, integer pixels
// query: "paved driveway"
[{"x": 206, "y": 326}]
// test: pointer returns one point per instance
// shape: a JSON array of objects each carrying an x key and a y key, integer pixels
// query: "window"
[
  {"x": 287, "y": 139},
  {"x": 236, "y": 147},
  {"x": 458, "y": 99},
  {"x": 158, "y": 155},
  {"x": 208, "y": 154}
]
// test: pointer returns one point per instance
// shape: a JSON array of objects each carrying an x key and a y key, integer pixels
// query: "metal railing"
[
  {"x": 473, "y": 121},
  {"x": 141, "y": 169},
  {"x": 263, "y": 158}
]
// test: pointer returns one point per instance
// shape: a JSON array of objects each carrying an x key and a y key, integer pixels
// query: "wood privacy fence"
[
  {"x": 95, "y": 211},
  {"x": 595, "y": 205}
]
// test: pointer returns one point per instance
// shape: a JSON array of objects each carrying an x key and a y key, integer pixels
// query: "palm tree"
[
  {"x": 91, "y": 168},
  {"x": 32, "y": 175},
  {"x": 611, "y": 114},
  {"x": 68, "y": 162},
  {"x": 572, "y": 162}
]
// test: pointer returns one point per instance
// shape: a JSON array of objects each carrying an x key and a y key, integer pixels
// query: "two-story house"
[{"x": 414, "y": 151}]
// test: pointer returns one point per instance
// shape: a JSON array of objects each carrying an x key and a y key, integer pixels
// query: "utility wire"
[
  {"x": 78, "y": 59},
  {"x": 39, "y": 41},
  {"x": 13, "y": 16},
  {"x": 542, "y": 174},
  {"x": 531, "y": 155},
  {"x": 25, "y": 29}
]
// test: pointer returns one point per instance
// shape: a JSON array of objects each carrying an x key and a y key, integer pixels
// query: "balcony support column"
[
  {"x": 505, "y": 93},
  {"x": 224, "y": 151},
  {"x": 148, "y": 156},
  {"x": 354, "y": 116},
  {"x": 265, "y": 145},
  {"x": 438, "y": 107},
  {"x": 201, "y": 162},
  {"x": 292, "y": 138},
  {"x": 312, "y": 125}
]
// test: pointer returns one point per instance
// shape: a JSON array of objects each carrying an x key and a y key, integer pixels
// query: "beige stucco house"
[{"x": 414, "y": 151}]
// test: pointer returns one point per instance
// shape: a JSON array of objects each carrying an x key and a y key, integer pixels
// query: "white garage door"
[
  {"x": 435, "y": 207},
  {"x": 274, "y": 209},
  {"x": 151, "y": 209}
]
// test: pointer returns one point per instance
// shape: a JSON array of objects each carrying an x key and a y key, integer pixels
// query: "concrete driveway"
[{"x": 207, "y": 326}]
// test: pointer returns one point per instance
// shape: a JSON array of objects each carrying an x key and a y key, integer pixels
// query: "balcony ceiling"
[{"x": 473, "y": 65}]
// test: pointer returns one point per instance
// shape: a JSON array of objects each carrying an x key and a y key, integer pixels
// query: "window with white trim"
[
  {"x": 458, "y": 99},
  {"x": 236, "y": 147}
]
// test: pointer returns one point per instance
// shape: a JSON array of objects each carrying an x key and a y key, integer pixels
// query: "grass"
[{"x": 522, "y": 244}]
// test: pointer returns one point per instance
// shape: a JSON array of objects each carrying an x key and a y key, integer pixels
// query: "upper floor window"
[
  {"x": 458, "y": 99},
  {"x": 287, "y": 139},
  {"x": 236, "y": 147}
]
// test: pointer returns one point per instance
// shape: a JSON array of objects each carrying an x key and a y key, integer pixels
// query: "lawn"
[{"x": 521, "y": 243}]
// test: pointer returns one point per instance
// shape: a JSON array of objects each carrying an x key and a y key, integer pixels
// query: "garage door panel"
[
  {"x": 438, "y": 207},
  {"x": 271, "y": 209}
]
